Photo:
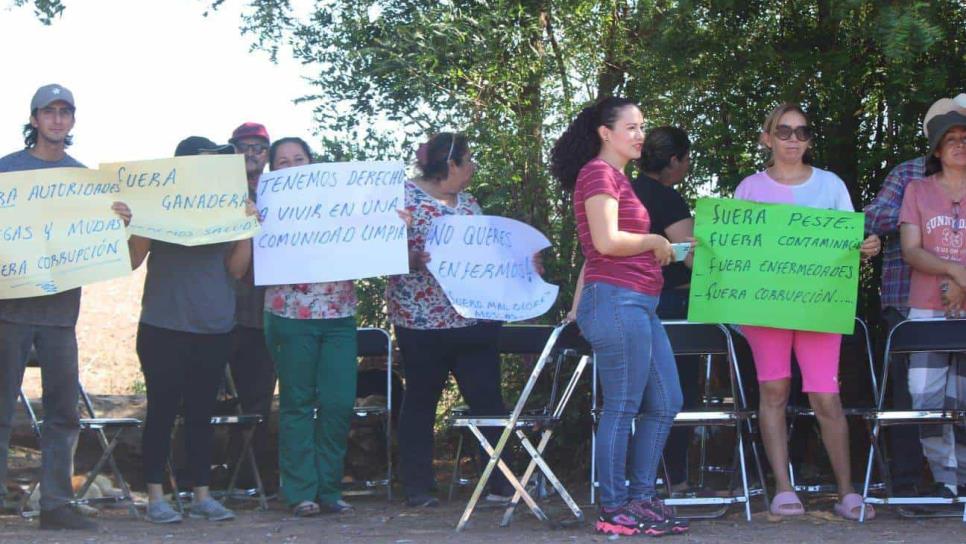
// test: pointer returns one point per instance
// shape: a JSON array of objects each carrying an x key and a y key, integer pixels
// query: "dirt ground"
[{"x": 376, "y": 521}]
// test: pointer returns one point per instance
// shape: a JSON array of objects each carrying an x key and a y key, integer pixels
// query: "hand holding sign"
[
  {"x": 486, "y": 267},
  {"x": 122, "y": 211}
]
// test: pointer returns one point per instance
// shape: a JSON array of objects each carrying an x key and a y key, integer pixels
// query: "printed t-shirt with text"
[{"x": 927, "y": 206}]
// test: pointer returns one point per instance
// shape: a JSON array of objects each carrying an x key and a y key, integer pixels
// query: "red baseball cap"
[{"x": 250, "y": 130}]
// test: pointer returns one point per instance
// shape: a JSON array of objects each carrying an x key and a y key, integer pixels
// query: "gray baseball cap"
[
  {"x": 939, "y": 125},
  {"x": 51, "y": 93}
]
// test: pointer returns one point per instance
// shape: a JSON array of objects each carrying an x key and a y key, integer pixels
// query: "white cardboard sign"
[
  {"x": 331, "y": 222},
  {"x": 485, "y": 266}
]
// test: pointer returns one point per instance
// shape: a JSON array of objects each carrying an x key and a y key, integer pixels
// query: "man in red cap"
[
  {"x": 251, "y": 140},
  {"x": 251, "y": 365}
]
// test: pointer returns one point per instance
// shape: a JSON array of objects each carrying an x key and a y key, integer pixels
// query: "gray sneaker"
[
  {"x": 211, "y": 510},
  {"x": 161, "y": 512},
  {"x": 337, "y": 507}
]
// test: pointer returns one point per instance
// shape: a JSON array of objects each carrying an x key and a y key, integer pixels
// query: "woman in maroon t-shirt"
[{"x": 616, "y": 302}]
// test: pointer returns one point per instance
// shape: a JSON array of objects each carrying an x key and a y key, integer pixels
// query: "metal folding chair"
[
  {"x": 563, "y": 343},
  {"x": 912, "y": 336},
  {"x": 860, "y": 339},
  {"x": 689, "y": 339},
  {"x": 107, "y": 432},
  {"x": 526, "y": 340},
  {"x": 246, "y": 423},
  {"x": 374, "y": 342},
  {"x": 715, "y": 340}
]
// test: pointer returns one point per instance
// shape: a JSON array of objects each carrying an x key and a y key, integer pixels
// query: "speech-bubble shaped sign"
[{"x": 485, "y": 266}]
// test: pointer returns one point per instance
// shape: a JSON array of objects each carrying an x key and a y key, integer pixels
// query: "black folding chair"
[
  {"x": 564, "y": 342},
  {"x": 374, "y": 342},
  {"x": 107, "y": 431},
  {"x": 691, "y": 339},
  {"x": 908, "y": 337},
  {"x": 860, "y": 340},
  {"x": 246, "y": 423}
]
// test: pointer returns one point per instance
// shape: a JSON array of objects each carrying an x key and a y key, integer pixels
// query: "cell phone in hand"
[{"x": 681, "y": 250}]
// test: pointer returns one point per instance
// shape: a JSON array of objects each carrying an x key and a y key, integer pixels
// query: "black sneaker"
[
  {"x": 65, "y": 517},
  {"x": 623, "y": 521},
  {"x": 422, "y": 501},
  {"x": 677, "y": 525}
]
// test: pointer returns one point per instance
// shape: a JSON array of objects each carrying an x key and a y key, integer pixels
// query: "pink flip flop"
[
  {"x": 850, "y": 507},
  {"x": 786, "y": 503}
]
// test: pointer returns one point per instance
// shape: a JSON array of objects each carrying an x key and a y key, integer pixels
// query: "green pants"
[{"x": 316, "y": 364}]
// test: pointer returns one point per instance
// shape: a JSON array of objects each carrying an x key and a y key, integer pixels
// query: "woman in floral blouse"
[
  {"x": 433, "y": 338},
  {"x": 310, "y": 330}
]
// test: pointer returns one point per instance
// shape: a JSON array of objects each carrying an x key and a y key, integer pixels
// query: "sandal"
[
  {"x": 786, "y": 503},
  {"x": 850, "y": 507},
  {"x": 306, "y": 509}
]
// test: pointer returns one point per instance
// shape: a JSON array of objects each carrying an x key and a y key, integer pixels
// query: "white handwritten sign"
[
  {"x": 331, "y": 222},
  {"x": 485, "y": 266},
  {"x": 59, "y": 231},
  {"x": 189, "y": 201}
]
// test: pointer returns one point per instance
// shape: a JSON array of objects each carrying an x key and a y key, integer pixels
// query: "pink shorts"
[{"x": 817, "y": 354}]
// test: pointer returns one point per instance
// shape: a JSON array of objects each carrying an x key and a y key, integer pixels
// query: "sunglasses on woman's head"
[{"x": 802, "y": 134}]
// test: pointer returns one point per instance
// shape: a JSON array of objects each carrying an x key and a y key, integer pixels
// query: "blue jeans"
[{"x": 637, "y": 375}]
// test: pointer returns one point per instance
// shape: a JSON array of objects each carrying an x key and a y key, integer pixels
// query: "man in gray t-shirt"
[{"x": 46, "y": 324}]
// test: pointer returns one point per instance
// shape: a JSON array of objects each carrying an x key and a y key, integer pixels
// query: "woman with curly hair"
[{"x": 616, "y": 302}]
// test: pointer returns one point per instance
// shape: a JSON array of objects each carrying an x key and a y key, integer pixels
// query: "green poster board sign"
[{"x": 775, "y": 265}]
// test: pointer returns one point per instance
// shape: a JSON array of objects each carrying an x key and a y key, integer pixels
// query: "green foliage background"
[{"x": 512, "y": 73}]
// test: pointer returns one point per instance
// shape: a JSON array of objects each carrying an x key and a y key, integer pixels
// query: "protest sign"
[
  {"x": 59, "y": 231},
  {"x": 485, "y": 266},
  {"x": 190, "y": 201},
  {"x": 331, "y": 222},
  {"x": 775, "y": 265}
]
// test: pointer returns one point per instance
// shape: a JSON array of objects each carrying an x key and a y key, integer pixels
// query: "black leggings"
[
  {"x": 180, "y": 367},
  {"x": 472, "y": 355}
]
